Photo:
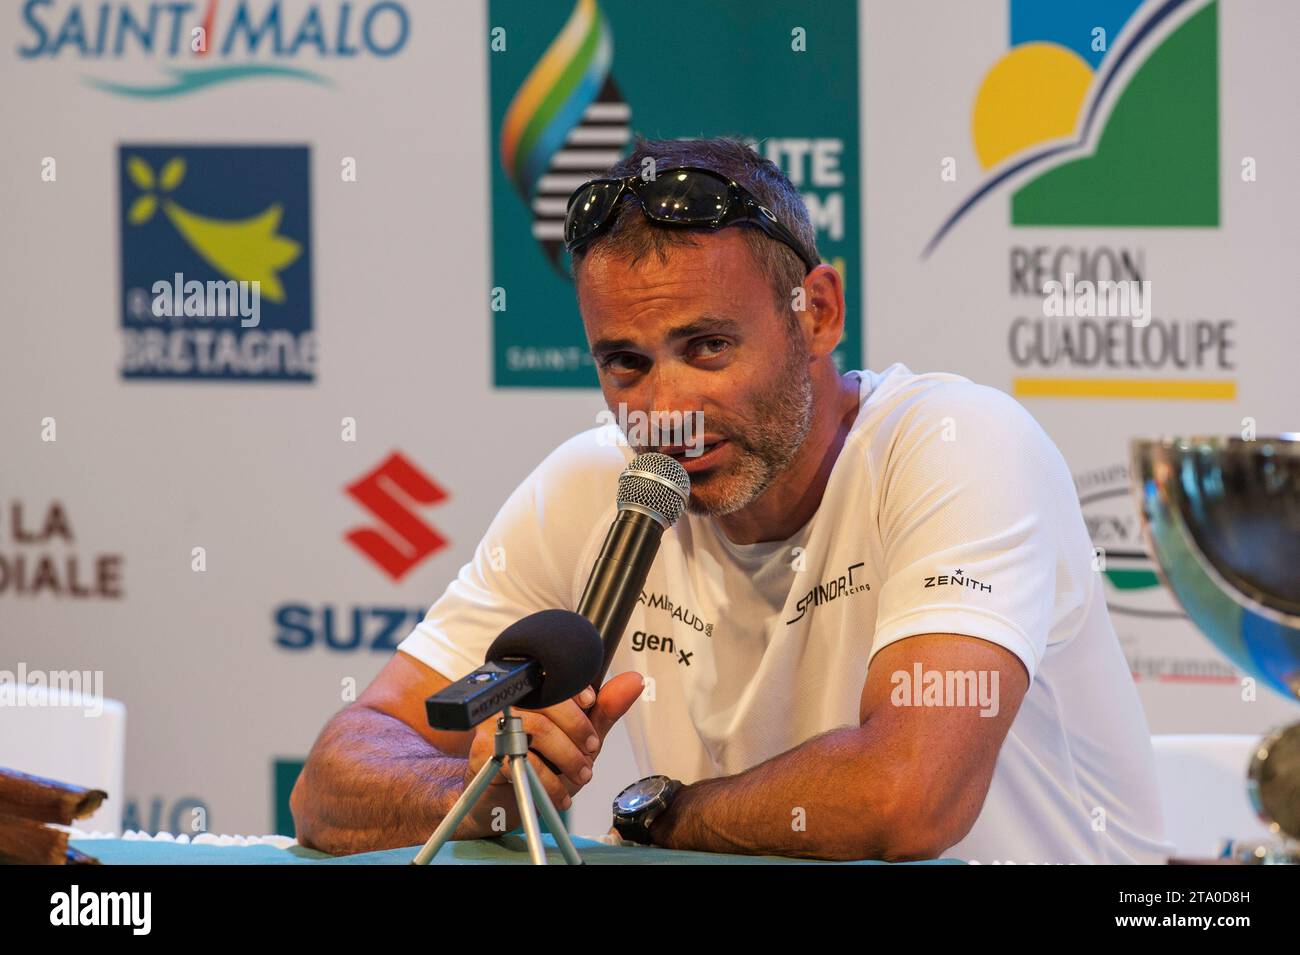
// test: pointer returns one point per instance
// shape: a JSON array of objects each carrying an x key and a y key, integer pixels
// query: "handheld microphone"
[{"x": 652, "y": 493}]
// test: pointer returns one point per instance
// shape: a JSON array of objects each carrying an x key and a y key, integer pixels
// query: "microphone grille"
[{"x": 656, "y": 482}]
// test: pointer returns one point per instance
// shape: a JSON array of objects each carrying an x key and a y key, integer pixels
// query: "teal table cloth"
[{"x": 506, "y": 850}]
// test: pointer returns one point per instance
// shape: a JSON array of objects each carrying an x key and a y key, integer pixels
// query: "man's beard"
[{"x": 783, "y": 416}]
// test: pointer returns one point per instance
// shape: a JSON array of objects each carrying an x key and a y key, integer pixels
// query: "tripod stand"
[{"x": 511, "y": 743}]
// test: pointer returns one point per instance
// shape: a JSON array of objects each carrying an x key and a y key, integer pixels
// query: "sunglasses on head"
[{"x": 685, "y": 196}]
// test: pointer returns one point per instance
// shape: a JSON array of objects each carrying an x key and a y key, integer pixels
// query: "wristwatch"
[{"x": 637, "y": 806}]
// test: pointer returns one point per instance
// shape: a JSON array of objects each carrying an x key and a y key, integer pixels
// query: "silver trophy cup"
[{"x": 1221, "y": 517}]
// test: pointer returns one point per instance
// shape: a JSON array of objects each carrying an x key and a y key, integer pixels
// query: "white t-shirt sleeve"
[
  {"x": 534, "y": 556},
  {"x": 972, "y": 501}
]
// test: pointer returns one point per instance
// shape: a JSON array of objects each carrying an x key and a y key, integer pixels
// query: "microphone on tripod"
[
  {"x": 550, "y": 656},
  {"x": 536, "y": 662}
]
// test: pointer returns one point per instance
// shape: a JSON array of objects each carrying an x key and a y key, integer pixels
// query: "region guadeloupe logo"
[
  {"x": 1100, "y": 114},
  {"x": 216, "y": 263},
  {"x": 203, "y": 44}
]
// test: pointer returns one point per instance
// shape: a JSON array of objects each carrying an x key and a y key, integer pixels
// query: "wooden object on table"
[{"x": 28, "y": 807}]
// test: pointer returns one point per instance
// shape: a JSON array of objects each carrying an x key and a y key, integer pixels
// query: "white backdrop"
[{"x": 255, "y": 473}]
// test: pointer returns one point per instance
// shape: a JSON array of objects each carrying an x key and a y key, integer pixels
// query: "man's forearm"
[
  {"x": 813, "y": 801},
  {"x": 371, "y": 782}
]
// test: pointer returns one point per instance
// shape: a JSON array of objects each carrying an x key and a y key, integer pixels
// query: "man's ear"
[{"x": 823, "y": 320}]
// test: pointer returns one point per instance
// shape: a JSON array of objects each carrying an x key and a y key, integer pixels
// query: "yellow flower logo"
[{"x": 247, "y": 250}]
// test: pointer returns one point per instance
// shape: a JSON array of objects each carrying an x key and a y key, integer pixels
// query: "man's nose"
[
  {"x": 671, "y": 402},
  {"x": 661, "y": 388}
]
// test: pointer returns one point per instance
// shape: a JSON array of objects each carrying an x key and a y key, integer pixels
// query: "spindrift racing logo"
[{"x": 198, "y": 45}]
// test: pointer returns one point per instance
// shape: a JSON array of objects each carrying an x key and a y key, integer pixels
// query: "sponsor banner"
[
  {"x": 40, "y": 556},
  {"x": 193, "y": 47},
  {"x": 240, "y": 560},
  {"x": 216, "y": 263},
  {"x": 572, "y": 84},
  {"x": 1070, "y": 209}
]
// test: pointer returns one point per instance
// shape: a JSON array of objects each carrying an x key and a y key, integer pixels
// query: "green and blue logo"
[
  {"x": 1101, "y": 114},
  {"x": 566, "y": 100}
]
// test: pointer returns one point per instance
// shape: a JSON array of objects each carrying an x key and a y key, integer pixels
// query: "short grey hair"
[{"x": 632, "y": 237}]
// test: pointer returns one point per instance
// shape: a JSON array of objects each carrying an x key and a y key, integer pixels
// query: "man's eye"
[
  {"x": 710, "y": 347},
  {"x": 621, "y": 361}
]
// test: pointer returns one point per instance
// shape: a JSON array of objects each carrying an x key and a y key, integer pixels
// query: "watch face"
[{"x": 640, "y": 794}]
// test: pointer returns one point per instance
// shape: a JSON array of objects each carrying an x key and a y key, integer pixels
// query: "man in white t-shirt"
[{"x": 877, "y": 632}]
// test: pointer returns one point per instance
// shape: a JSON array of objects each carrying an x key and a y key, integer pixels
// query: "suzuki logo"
[{"x": 387, "y": 492}]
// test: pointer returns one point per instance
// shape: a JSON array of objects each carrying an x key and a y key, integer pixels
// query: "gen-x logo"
[{"x": 654, "y": 429}]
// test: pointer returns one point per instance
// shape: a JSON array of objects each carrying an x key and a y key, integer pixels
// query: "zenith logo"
[
  {"x": 403, "y": 539},
  {"x": 957, "y": 579}
]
